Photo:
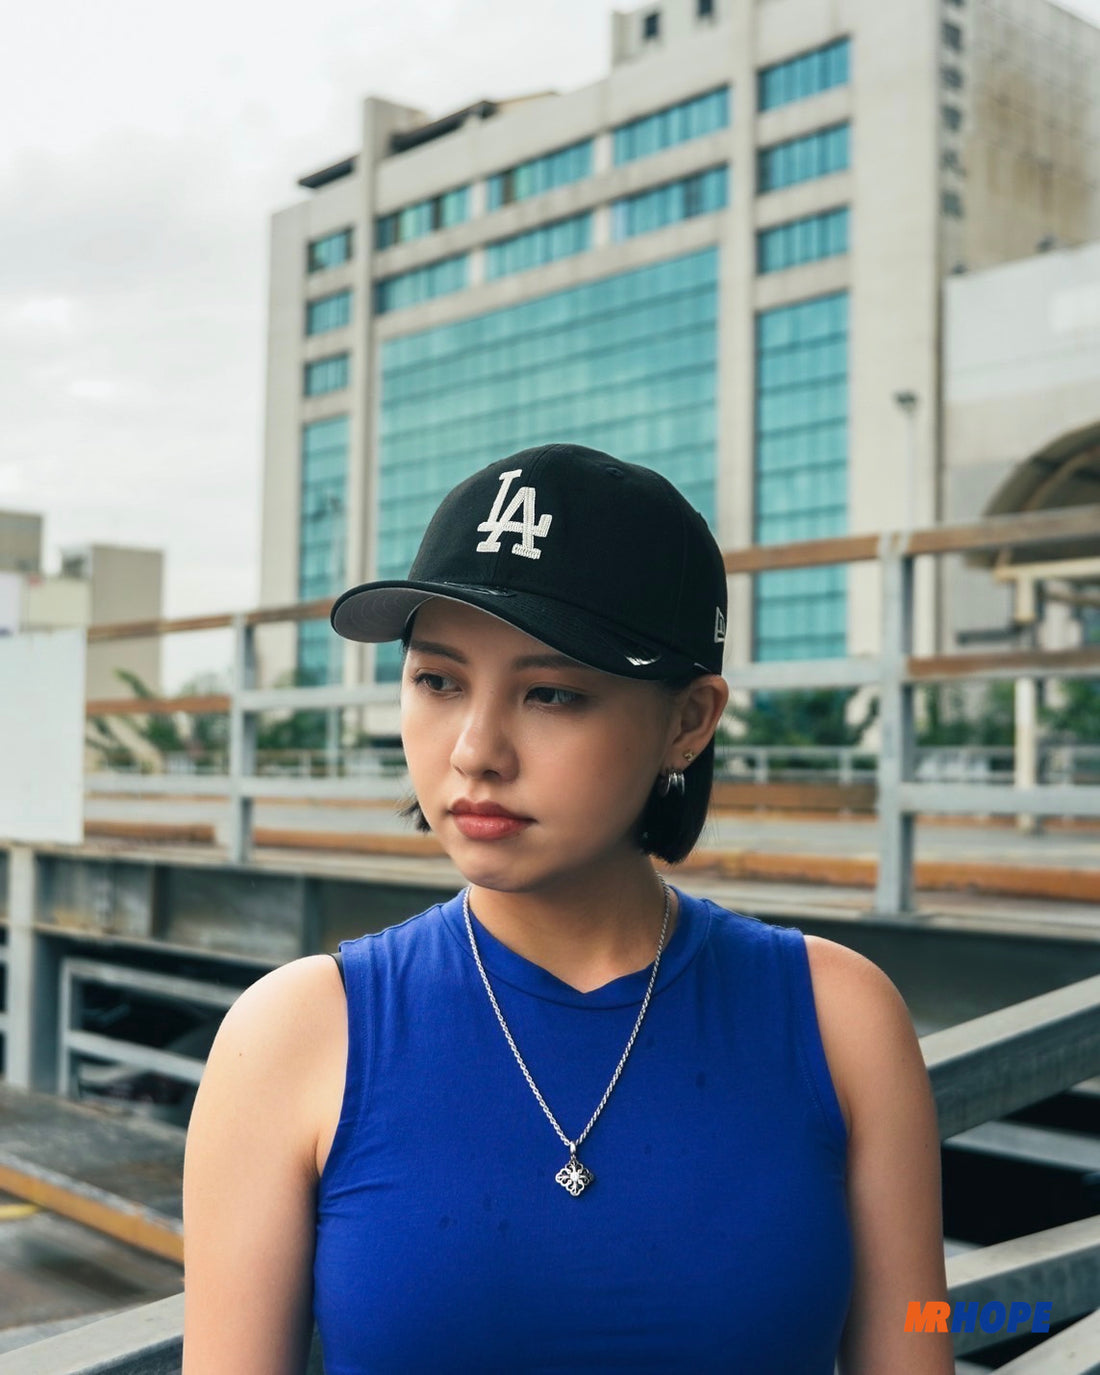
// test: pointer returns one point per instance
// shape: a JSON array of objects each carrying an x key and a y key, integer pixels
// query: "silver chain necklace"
[{"x": 574, "y": 1177}]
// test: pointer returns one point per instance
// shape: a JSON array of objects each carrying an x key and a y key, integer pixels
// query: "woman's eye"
[
  {"x": 566, "y": 697},
  {"x": 573, "y": 697},
  {"x": 437, "y": 677}
]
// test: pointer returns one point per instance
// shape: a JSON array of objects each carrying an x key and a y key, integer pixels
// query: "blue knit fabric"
[{"x": 715, "y": 1236}]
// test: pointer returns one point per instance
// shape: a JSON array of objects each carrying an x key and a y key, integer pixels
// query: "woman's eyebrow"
[{"x": 523, "y": 661}]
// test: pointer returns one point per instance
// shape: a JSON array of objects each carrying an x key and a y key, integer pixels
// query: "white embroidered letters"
[
  {"x": 523, "y": 499},
  {"x": 719, "y": 626}
]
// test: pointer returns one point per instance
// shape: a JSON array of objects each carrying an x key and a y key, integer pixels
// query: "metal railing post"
[
  {"x": 18, "y": 1051},
  {"x": 894, "y": 891},
  {"x": 242, "y": 741},
  {"x": 332, "y": 743}
]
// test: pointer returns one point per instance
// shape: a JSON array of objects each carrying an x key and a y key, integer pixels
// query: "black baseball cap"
[{"x": 602, "y": 560}]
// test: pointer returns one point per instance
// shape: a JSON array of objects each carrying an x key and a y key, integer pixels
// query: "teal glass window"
[
  {"x": 802, "y": 241},
  {"x": 330, "y": 251},
  {"x": 703, "y": 114},
  {"x": 677, "y": 200},
  {"x": 626, "y": 364},
  {"x": 328, "y": 312},
  {"x": 326, "y": 374},
  {"x": 801, "y": 159},
  {"x": 805, "y": 75},
  {"x": 420, "y": 284},
  {"x": 548, "y": 242},
  {"x": 414, "y": 221},
  {"x": 322, "y": 534},
  {"x": 801, "y": 473},
  {"x": 531, "y": 178}
]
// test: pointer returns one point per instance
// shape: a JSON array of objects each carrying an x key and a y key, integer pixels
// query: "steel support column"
[
  {"x": 242, "y": 741},
  {"x": 894, "y": 892}
]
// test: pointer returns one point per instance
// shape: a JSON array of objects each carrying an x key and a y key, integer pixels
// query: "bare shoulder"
[
  {"x": 280, "y": 1004},
  {"x": 865, "y": 1024},
  {"x": 249, "y": 1175},
  {"x": 288, "y": 1033}
]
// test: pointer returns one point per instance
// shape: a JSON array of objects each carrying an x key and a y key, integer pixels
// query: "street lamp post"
[{"x": 906, "y": 401}]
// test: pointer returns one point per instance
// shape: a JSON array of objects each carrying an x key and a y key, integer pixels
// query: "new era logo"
[{"x": 719, "y": 626}]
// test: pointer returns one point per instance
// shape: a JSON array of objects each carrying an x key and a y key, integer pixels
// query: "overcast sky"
[{"x": 144, "y": 148}]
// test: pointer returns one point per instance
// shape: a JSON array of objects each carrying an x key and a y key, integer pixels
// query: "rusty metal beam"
[
  {"x": 269, "y": 615},
  {"x": 104, "y": 1212},
  {"x": 1009, "y": 663},
  {"x": 759, "y": 558},
  {"x": 156, "y": 706},
  {"x": 1061, "y": 526},
  {"x": 995, "y": 533}
]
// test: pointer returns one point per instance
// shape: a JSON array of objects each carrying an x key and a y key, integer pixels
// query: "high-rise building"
[
  {"x": 723, "y": 261},
  {"x": 20, "y": 542}
]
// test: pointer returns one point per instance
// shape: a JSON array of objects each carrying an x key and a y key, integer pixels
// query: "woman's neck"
[{"x": 585, "y": 929}]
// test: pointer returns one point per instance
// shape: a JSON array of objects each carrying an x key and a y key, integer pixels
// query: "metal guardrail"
[
  {"x": 979, "y": 1070},
  {"x": 993, "y": 764},
  {"x": 76, "y": 974},
  {"x": 895, "y": 673}
]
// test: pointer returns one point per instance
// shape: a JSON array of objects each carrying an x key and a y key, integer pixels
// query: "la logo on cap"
[
  {"x": 719, "y": 626},
  {"x": 523, "y": 499}
]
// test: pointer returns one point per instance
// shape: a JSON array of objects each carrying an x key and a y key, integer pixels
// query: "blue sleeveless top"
[{"x": 715, "y": 1236}]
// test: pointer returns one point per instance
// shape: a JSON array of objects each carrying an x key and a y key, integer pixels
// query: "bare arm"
[
  {"x": 894, "y": 1198},
  {"x": 249, "y": 1177}
]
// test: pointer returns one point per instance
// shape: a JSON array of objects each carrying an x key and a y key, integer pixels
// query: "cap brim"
[{"x": 378, "y": 611}]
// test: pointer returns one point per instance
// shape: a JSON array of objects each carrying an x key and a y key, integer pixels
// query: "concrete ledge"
[
  {"x": 1061, "y": 1264},
  {"x": 146, "y": 1340},
  {"x": 106, "y": 1212},
  {"x": 1073, "y": 1351},
  {"x": 754, "y": 866}
]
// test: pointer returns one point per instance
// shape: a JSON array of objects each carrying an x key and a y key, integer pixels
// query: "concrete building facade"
[
  {"x": 20, "y": 542},
  {"x": 724, "y": 260},
  {"x": 98, "y": 584},
  {"x": 1022, "y": 433}
]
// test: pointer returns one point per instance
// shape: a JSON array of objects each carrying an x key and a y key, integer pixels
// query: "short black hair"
[{"x": 668, "y": 827}]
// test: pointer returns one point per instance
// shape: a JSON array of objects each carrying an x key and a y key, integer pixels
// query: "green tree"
[
  {"x": 160, "y": 731},
  {"x": 208, "y": 731},
  {"x": 297, "y": 730},
  {"x": 814, "y": 716},
  {"x": 947, "y": 720},
  {"x": 1077, "y": 719}
]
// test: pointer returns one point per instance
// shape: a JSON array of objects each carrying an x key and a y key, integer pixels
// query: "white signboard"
[{"x": 42, "y": 737}]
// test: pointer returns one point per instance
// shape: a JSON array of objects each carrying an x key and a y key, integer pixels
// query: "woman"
[{"x": 573, "y": 1118}]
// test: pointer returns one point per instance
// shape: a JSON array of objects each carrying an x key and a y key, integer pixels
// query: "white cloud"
[
  {"x": 11, "y": 482},
  {"x": 49, "y": 313},
  {"x": 93, "y": 389}
]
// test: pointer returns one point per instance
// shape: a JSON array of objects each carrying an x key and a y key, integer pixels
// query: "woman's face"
[{"x": 572, "y": 748}]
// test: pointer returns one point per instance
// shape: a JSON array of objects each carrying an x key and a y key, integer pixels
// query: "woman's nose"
[{"x": 483, "y": 743}]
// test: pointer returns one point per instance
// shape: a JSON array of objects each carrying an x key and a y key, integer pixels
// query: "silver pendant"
[{"x": 574, "y": 1177}]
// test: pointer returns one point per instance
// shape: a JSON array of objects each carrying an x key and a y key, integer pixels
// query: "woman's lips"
[{"x": 476, "y": 827}]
